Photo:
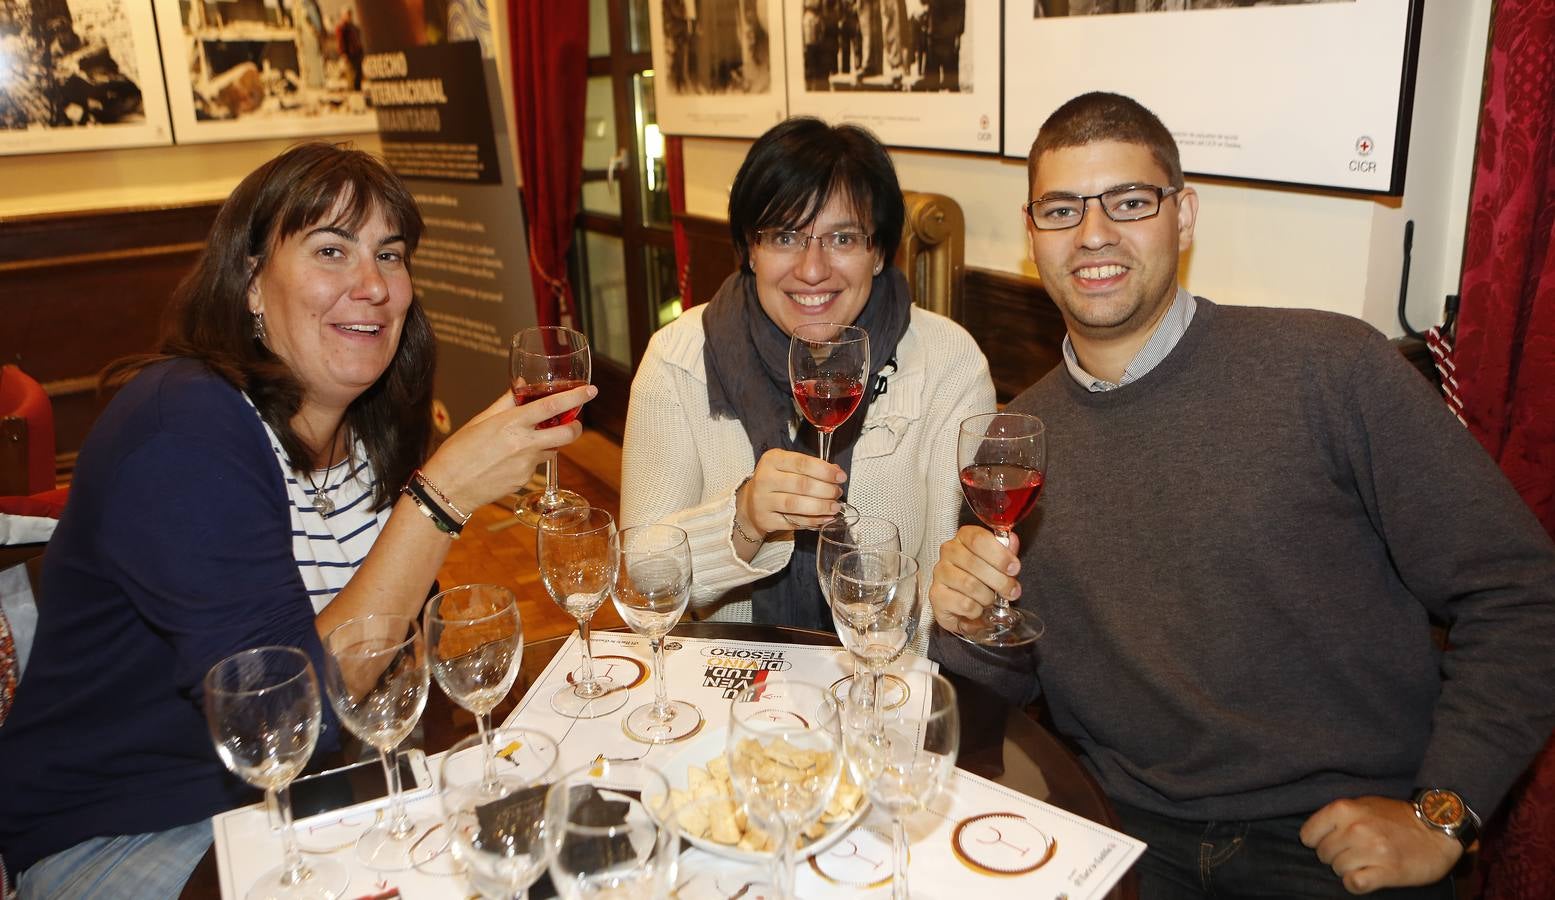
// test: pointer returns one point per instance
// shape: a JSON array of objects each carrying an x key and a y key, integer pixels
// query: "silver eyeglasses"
[
  {"x": 1129, "y": 203},
  {"x": 836, "y": 243}
]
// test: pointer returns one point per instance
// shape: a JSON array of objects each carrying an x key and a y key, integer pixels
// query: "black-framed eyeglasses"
[
  {"x": 1129, "y": 203},
  {"x": 837, "y": 243}
]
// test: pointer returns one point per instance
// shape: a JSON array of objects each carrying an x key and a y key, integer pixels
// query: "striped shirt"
[
  {"x": 1167, "y": 333},
  {"x": 330, "y": 548}
]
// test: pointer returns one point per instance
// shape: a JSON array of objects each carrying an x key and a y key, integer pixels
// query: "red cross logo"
[{"x": 1364, "y": 145}]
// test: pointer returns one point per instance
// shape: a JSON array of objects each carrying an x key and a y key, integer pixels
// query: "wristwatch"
[{"x": 1446, "y": 812}]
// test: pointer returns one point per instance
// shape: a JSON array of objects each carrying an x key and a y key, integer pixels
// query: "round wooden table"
[{"x": 998, "y": 742}]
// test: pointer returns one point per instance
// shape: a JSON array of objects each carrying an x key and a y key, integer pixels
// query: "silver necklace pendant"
[{"x": 322, "y": 503}]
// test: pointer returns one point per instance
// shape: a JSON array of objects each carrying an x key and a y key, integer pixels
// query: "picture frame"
[
  {"x": 254, "y": 71},
  {"x": 82, "y": 76},
  {"x": 1241, "y": 88},
  {"x": 922, "y": 73},
  {"x": 718, "y": 66}
]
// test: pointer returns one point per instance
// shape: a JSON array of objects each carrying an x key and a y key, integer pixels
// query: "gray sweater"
[{"x": 1237, "y": 558}]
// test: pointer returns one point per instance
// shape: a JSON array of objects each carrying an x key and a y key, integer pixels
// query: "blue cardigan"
[{"x": 174, "y": 551}]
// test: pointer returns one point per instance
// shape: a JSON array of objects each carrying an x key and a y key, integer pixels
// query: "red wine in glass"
[
  {"x": 1003, "y": 460},
  {"x": 526, "y": 393},
  {"x": 827, "y": 365},
  {"x": 828, "y": 400},
  {"x": 1001, "y": 494}
]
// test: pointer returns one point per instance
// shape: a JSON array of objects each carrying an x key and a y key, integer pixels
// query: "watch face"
[{"x": 1441, "y": 808}]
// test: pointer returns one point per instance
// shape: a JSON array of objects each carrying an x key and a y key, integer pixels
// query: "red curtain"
[
  {"x": 675, "y": 175},
  {"x": 549, "y": 41},
  {"x": 1505, "y": 352}
]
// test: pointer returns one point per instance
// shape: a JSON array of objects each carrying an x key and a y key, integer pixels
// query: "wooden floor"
[{"x": 494, "y": 549}]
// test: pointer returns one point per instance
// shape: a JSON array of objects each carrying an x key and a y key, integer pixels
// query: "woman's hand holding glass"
[
  {"x": 496, "y": 819},
  {"x": 376, "y": 675},
  {"x": 262, "y": 708},
  {"x": 578, "y": 551},
  {"x": 545, "y": 360},
  {"x": 611, "y": 829},
  {"x": 652, "y": 586},
  {"x": 476, "y": 642},
  {"x": 904, "y": 760},
  {"x": 790, "y": 490},
  {"x": 771, "y": 724}
]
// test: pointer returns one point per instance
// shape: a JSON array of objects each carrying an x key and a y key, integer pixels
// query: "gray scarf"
[{"x": 746, "y": 355}]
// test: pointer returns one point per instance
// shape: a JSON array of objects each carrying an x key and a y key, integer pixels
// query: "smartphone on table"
[{"x": 336, "y": 793}]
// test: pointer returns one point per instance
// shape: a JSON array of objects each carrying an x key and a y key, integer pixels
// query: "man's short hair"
[{"x": 1100, "y": 116}]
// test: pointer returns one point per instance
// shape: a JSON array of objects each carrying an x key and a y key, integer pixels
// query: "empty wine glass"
[
  {"x": 906, "y": 761},
  {"x": 578, "y": 551},
  {"x": 827, "y": 365},
  {"x": 653, "y": 583},
  {"x": 611, "y": 829},
  {"x": 475, "y": 642},
  {"x": 496, "y": 820},
  {"x": 262, "y": 709},
  {"x": 844, "y": 534},
  {"x": 876, "y": 596},
  {"x": 375, "y": 670},
  {"x": 545, "y": 360},
  {"x": 1003, "y": 458},
  {"x": 784, "y": 761}
]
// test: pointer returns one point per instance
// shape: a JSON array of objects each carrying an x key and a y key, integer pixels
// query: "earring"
[
  {"x": 259, "y": 327},
  {"x": 879, "y": 266}
]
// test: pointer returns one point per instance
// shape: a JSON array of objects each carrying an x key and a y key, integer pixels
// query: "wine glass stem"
[
  {"x": 878, "y": 688},
  {"x": 488, "y": 752},
  {"x": 1003, "y": 537},
  {"x": 898, "y": 859},
  {"x": 786, "y": 863},
  {"x": 661, "y": 702},
  {"x": 294, "y": 871},
  {"x": 550, "y": 481},
  {"x": 399, "y": 823},
  {"x": 824, "y": 445},
  {"x": 586, "y": 686}
]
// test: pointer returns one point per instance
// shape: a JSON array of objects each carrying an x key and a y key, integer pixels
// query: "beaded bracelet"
[
  {"x": 429, "y": 508},
  {"x": 421, "y": 477}
]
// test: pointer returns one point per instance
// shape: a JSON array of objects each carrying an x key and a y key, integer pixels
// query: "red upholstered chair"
[{"x": 26, "y": 434}]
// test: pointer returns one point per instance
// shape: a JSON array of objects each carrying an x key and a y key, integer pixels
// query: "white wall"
[{"x": 1255, "y": 245}]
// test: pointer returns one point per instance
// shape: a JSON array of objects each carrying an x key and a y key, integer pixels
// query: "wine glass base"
[
  {"x": 570, "y": 702},
  {"x": 1016, "y": 630},
  {"x": 381, "y": 851},
  {"x": 323, "y": 879},
  {"x": 683, "y": 721},
  {"x": 532, "y": 507},
  {"x": 896, "y": 691}
]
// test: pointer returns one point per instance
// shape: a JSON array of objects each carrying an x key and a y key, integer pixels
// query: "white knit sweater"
[{"x": 680, "y": 466}]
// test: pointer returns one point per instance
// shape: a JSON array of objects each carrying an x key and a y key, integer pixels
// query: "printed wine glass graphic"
[
  {"x": 1001, "y": 843},
  {"x": 542, "y": 361},
  {"x": 1003, "y": 459},
  {"x": 827, "y": 365}
]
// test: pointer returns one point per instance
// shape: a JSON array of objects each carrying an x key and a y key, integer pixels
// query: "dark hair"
[
  {"x": 1099, "y": 116},
  {"x": 209, "y": 320},
  {"x": 795, "y": 168}
]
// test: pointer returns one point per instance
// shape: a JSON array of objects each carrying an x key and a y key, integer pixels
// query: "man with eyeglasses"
[{"x": 1251, "y": 518}]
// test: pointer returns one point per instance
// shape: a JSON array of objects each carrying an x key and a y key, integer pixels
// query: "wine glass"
[
  {"x": 827, "y": 366},
  {"x": 496, "y": 818},
  {"x": 907, "y": 761},
  {"x": 375, "y": 670},
  {"x": 545, "y": 360},
  {"x": 876, "y": 596},
  {"x": 784, "y": 761},
  {"x": 1003, "y": 458},
  {"x": 611, "y": 830},
  {"x": 848, "y": 532},
  {"x": 262, "y": 708},
  {"x": 578, "y": 551},
  {"x": 475, "y": 642},
  {"x": 652, "y": 586}
]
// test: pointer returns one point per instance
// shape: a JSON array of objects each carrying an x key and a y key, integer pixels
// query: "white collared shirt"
[{"x": 1162, "y": 341}]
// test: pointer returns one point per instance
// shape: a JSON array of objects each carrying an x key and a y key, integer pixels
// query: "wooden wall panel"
[{"x": 78, "y": 290}]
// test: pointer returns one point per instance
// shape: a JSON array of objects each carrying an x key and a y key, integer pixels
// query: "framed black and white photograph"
[
  {"x": 718, "y": 66},
  {"x": 250, "y": 69},
  {"x": 79, "y": 75},
  {"x": 1304, "y": 92},
  {"x": 919, "y": 73}
]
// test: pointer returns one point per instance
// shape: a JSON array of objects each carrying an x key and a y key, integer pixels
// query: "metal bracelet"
[
  {"x": 426, "y": 482},
  {"x": 737, "y": 529}
]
